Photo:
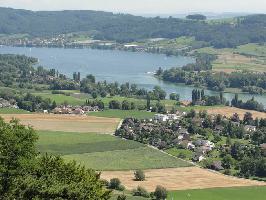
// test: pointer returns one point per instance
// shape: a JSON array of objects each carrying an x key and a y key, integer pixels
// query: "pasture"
[
  {"x": 105, "y": 152},
  {"x": 13, "y": 111},
  {"x": 180, "y": 179},
  {"x": 235, "y": 193},
  {"x": 67, "y": 123},
  {"x": 122, "y": 114}
]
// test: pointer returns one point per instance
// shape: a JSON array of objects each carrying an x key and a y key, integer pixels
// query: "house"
[
  {"x": 204, "y": 143},
  {"x": 78, "y": 112},
  {"x": 190, "y": 146},
  {"x": 172, "y": 117},
  {"x": 198, "y": 157},
  {"x": 161, "y": 117},
  {"x": 250, "y": 128}
]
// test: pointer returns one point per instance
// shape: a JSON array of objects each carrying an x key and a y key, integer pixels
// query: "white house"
[{"x": 161, "y": 117}]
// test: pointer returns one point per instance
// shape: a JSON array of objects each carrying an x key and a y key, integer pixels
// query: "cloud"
[{"x": 142, "y": 6}]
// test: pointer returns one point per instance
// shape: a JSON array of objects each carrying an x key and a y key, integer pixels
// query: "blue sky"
[{"x": 143, "y": 6}]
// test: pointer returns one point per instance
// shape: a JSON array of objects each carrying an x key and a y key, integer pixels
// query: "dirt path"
[
  {"x": 179, "y": 179},
  {"x": 68, "y": 123}
]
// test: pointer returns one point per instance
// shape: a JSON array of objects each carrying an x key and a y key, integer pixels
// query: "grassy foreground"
[
  {"x": 237, "y": 193},
  {"x": 105, "y": 152}
]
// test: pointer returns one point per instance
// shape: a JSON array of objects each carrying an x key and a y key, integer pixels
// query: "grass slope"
[
  {"x": 63, "y": 143},
  {"x": 123, "y": 114},
  {"x": 140, "y": 158},
  {"x": 13, "y": 111},
  {"x": 105, "y": 152},
  {"x": 237, "y": 193}
]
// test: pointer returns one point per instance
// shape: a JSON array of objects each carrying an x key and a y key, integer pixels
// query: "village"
[{"x": 180, "y": 131}]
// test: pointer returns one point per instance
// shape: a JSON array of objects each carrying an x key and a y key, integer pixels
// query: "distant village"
[{"x": 165, "y": 131}]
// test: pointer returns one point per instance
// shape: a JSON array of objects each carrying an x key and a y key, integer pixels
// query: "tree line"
[{"x": 217, "y": 81}]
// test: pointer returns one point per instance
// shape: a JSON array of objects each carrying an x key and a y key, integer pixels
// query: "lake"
[{"x": 120, "y": 66}]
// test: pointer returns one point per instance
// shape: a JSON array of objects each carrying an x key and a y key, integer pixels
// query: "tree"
[
  {"x": 227, "y": 161},
  {"x": 139, "y": 175},
  {"x": 160, "y": 193},
  {"x": 248, "y": 119},
  {"x": 17, "y": 150},
  {"x": 24, "y": 175},
  {"x": 114, "y": 183},
  {"x": 196, "y": 17},
  {"x": 141, "y": 192},
  {"x": 94, "y": 94},
  {"x": 52, "y": 178},
  {"x": 174, "y": 96},
  {"x": 148, "y": 102},
  {"x": 121, "y": 197},
  {"x": 126, "y": 105},
  {"x": 114, "y": 104}
]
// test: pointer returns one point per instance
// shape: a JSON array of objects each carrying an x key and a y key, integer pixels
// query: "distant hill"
[{"x": 125, "y": 28}]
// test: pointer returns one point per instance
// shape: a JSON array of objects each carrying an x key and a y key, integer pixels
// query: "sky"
[{"x": 143, "y": 6}]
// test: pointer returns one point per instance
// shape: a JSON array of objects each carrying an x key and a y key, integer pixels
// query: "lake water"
[{"x": 120, "y": 66}]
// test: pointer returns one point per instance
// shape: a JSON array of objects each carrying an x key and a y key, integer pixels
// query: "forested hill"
[{"x": 124, "y": 28}]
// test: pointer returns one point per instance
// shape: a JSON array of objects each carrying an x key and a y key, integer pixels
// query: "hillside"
[{"x": 125, "y": 28}]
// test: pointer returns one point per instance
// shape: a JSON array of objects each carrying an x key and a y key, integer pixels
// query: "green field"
[
  {"x": 63, "y": 143},
  {"x": 105, "y": 152},
  {"x": 176, "y": 152},
  {"x": 13, "y": 111},
  {"x": 60, "y": 98},
  {"x": 237, "y": 193},
  {"x": 123, "y": 114}
]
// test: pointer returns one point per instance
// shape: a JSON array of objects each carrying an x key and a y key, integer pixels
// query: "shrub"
[
  {"x": 141, "y": 192},
  {"x": 139, "y": 175},
  {"x": 160, "y": 193},
  {"x": 182, "y": 155},
  {"x": 114, "y": 183},
  {"x": 121, "y": 197},
  {"x": 121, "y": 187}
]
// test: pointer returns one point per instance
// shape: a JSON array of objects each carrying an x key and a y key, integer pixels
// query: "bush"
[
  {"x": 114, "y": 183},
  {"x": 182, "y": 155},
  {"x": 141, "y": 192},
  {"x": 121, "y": 197},
  {"x": 139, "y": 175},
  {"x": 105, "y": 182},
  {"x": 160, "y": 193},
  {"x": 121, "y": 188}
]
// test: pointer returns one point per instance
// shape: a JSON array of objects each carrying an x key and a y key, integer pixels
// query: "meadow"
[
  {"x": 105, "y": 152},
  {"x": 122, "y": 114},
  {"x": 236, "y": 193},
  {"x": 13, "y": 111}
]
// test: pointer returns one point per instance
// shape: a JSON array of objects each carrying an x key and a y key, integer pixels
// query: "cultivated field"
[
  {"x": 67, "y": 123},
  {"x": 229, "y": 111},
  {"x": 180, "y": 179},
  {"x": 105, "y": 152},
  {"x": 236, "y": 193},
  {"x": 245, "y": 57}
]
